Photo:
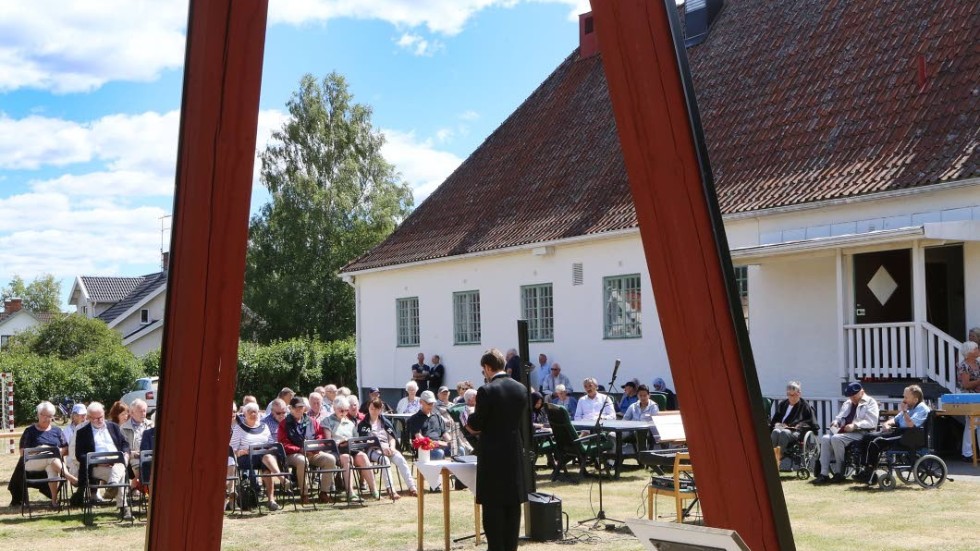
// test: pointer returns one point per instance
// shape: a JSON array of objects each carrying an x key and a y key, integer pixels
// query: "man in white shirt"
[
  {"x": 594, "y": 405},
  {"x": 858, "y": 416}
]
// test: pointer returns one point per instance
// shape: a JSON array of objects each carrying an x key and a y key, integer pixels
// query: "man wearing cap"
[
  {"x": 553, "y": 379},
  {"x": 858, "y": 416},
  {"x": 297, "y": 428},
  {"x": 442, "y": 397},
  {"x": 437, "y": 373},
  {"x": 426, "y": 422},
  {"x": 659, "y": 385},
  {"x": 374, "y": 393},
  {"x": 420, "y": 372},
  {"x": 629, "y": 395}
]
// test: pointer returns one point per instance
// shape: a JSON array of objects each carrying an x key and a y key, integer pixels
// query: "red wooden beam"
[
  {"x": 218, "y": 121},
  {"x": 687, "y": 254}
]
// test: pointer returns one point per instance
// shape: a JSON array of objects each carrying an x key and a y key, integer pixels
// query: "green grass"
[{"x": 824, "y": 518}]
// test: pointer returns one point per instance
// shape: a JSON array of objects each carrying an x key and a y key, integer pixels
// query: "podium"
[{"x": 439, "y": 471}]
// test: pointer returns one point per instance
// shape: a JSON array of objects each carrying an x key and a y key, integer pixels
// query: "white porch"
[{"x": 804, "y": 302}]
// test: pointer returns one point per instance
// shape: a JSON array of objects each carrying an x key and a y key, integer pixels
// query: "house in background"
[
  {"x": 847, "y": 172},
  {"x": 132, "y": 306},
  {"x": 15, "y": 319}
]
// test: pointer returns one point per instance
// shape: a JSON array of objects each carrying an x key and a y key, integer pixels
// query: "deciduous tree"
[{"x": 43, "y": 294}]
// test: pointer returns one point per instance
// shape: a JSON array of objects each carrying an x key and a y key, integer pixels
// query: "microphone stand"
[{"x": 600, "y": 436}]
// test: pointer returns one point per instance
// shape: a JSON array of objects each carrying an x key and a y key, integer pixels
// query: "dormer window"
[{"x": 144, "y": 316}]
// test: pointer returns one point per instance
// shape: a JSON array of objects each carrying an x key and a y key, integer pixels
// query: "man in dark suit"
[
  {"x": 501, "y": 406},
  {"x": 102, "y": 436},
  {"x": 514, "y": 366}
]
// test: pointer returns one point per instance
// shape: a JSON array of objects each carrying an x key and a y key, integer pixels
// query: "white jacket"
[{"x": 866, "y": 417}]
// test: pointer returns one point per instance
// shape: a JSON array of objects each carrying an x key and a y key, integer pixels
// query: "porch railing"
[
  {"x": 942, "y": 352},
  {"x": 907, "y": 350},
  {"x": 881, "y": 350}
]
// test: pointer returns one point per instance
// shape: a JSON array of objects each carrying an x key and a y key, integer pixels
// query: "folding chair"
[
  {"x": 145, "y": 471},
  {"x": 33, "y": 455},
  {"x": 101, "y": 459},
  {"x": 255, "y": 454},
  {"x": 383, "y": 467},
  {"x": 313, "y": 473},
  {"x": 569, "y": 446}
]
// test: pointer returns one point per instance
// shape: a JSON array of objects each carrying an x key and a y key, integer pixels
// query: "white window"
[
  {"x": 407, "y": 313},
  {"x": 537, "y": 307},
  {"x": 466, "y": 317},
  {"x": 623, "y": 316},
  {"x": 144, "y": 316},
  {"x": 742, "y": 284}
]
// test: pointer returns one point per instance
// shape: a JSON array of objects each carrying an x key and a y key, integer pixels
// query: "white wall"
[
  {"x": 971, "y": 268},
  {"x": 579, "y": 345},
  {"x": 132, "y": 322},
  {"x": 793, "y": 325},
  {"x": 20, "y": 321},
  {"x": 147, "y": 343}
]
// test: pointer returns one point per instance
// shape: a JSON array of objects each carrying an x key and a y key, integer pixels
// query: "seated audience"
[
  {"x": 968, "y": 378},
  {"x": 562, "y": 398},
  {"x": 659, "y": 385},
  {"x": 77, "y": 421},
  {"x": 251, "y": 431},
  {"x": 102, "y": 436},
  {"x": 119, "y": 413},
  {"x": 461, "y": 388},
  {"x": 594, "y": 404},
  {"x": 792, "y": 419},
  {"x": 317, "y": 411},
  {"x": 329, "y": 395},
  {"x": 374, "y": 424},
  {"x": 44, "y": 433},
  {"x": 426, "y": 422},
  {"x": 297, "y": 428},
  {"x": 374, "y": 393},
  {"x": 469, "y": 398},
  {"x": 133, "y": 430},
  {"x": 912, "y": 413},
  {"x": 539, "y": 416},
  {"x": 643, "y": 409},
  {"x": 629, "y": 395},
  {"x": 285, "y": 396},
  {"x": 410, "y": 403},
  {"x": 277, "y": 414},
  {"x": 340, "y": 427},
  {"x": 553, "y": 380},
  {"x": 344, "y": 391},
  {"x": 355, "y": 409},
  {"x": 858, "y": 416}
]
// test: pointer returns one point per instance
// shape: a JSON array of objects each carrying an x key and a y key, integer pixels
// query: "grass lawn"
[{"x": 907, "y": 518}]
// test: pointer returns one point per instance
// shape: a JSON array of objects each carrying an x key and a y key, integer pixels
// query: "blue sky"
[{"x": 90, "y": 93}]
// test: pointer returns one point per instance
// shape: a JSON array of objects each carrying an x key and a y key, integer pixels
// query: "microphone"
[{"x": 615, "y": 369}]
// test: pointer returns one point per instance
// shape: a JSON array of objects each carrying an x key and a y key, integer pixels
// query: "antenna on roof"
[{"x": 166, "y": 221}]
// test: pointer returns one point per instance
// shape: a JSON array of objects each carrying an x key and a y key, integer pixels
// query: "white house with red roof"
[{"x": 848, "y": 174}]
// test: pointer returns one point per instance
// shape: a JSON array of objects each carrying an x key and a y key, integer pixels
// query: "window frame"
[
  {"x": 144, "y": 316},
  {"x": 535, "y": 323},
  {"x": 609, "y": 327},
  {"x": 475, "y": 334},
  {"x": 398, "y": 323}
]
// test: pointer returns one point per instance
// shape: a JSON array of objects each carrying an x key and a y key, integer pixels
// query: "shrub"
[{"x": 301, "y": 364}]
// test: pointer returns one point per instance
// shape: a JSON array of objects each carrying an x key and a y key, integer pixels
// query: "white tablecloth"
[{"x": 465, "y": 472}]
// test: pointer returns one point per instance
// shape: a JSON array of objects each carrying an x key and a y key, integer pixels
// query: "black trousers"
[
  {"x": 881, "y": 442},
  {"x": 503, "y": 526}
]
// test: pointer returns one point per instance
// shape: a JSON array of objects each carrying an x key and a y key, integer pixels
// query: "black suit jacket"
[
  {"x": 85, "y": 443},
  {"x": 501, "y": 407},
  {"x": 802, "y": 416}
]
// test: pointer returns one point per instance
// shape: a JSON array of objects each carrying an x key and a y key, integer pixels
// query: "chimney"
[
  {"x": 12, "y": 305},
  {"x": 698, "y": 17},
  {"x": 165, "y": 260},
  {"x": 588, "y": 40}
]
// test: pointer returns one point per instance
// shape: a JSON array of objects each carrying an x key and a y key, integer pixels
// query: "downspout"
[{"x": 352, "y": 281}]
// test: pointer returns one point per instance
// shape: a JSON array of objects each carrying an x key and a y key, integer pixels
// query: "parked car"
[{"x": 145, "y": 388}]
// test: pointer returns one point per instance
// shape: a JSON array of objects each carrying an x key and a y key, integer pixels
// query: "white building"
[
  {"x": 15, "y": 319},
  {"x": 849, "y": 180}
]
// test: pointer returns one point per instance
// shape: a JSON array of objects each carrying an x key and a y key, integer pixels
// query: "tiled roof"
[
  {"x": 801, "y": 101},
  {"x": 150, "y": 283},
  {"x": 110, "y": 289},
  {"x": 43, "y": 317}
]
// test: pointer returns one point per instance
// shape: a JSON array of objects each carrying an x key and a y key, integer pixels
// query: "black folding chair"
[
  {"x": 102, "y": 459},
  {"x": 255, "y": 454},
  {"x": 367, "y": 444},
  {"x": 314, "y": 473},
  {"x": 33, "y": 455},
  {"x": 145, "y": 471}
]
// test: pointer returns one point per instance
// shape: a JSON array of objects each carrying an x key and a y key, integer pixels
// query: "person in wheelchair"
[
  {"x": 792, "y": 419},
  {"x": 857, "y": 416},
  {"x": 912, "y": 414}
]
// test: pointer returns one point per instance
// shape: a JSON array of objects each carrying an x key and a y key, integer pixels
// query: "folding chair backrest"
[
  {"x": 326, "y": 445},
  {"x": 40, "y": 453},
  {"x": 363, "y": 444},
  {"x": 146, "y": 464},
  {"x": 96, "y": 459},
  {"x": 660, "y": 399},
  {"x": 258, "y": 450},
  {"x": 561, "y": 428}
]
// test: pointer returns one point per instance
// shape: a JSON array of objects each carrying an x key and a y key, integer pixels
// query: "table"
[
  {"x": 440, "y": 471},
  {"x": 972, "y": 414},
  {"x": 399, "y": 421},
  {"x": 668, "y": 426}
]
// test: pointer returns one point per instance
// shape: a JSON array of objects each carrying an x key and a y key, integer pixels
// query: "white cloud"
[
  {"x": 418, "y": 45},
  {"x": 445, "y": 134},
  {"x": 79, "y": 46},
  {"x": 423, "y": 166},
  {"x": 469, "y": 115}
]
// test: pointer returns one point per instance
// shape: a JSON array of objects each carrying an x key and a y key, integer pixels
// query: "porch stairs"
[{"x": 887, "y": 357}]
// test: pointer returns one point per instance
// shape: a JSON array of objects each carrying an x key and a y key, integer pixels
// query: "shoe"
[
  {"x": 125, "y": 513},
  {"x": 393, "y": 495},
  {"x": 413, "y": 492},
  {"x": 273, "y": 506},
  {"x": 227, "y": 506},
  {"x": 966, "y": 459},
  {"x": 838, "y": 478},
  {"x": 820, "y": 480},
  {"x": 324, "y": 497}
]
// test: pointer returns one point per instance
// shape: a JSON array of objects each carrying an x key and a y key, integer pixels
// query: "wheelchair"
[
  {"x": 910, "y": 460},
  {"x": 804, "y": 454}
]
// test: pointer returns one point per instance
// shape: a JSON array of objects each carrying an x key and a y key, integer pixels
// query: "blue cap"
[{"x": 853, "y": 389}]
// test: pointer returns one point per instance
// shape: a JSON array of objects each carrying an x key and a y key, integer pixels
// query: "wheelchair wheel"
[
  {"x": 930, "y": 471},
  {"x": 887, "y": 481},
  {"x": 906, "y": 474},
  {"x": 810, "y": 451},
  {"x": 803, "y": 473}
]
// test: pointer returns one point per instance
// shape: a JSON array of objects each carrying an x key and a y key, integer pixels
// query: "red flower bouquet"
[{"x": 424, "y": 443}]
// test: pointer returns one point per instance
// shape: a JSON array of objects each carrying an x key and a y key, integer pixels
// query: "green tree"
[
  {"x": 43, "y": 294},
  {"x": 68, "y": 337},
  {"x": 333, "y": 198}
]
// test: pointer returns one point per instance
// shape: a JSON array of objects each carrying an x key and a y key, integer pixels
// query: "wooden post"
[
  {"x": 686, "y": 249},
  {"x": 445, "y": 508},
  {"x": 218, "y": 121},
  {"x": 420, "y": 506}
]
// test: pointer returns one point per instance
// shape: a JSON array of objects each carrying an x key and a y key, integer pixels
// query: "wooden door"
[{"x": 883, "y": 286}]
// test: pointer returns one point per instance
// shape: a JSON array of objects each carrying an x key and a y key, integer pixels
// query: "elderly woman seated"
[
  {"x": 45, "y": 434},
  {"x": 374, "y": 424},
  {"x": 251, "y": 431},
  {"x": 340, "y": 427},
  {"x": 410, "y": 403}
]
